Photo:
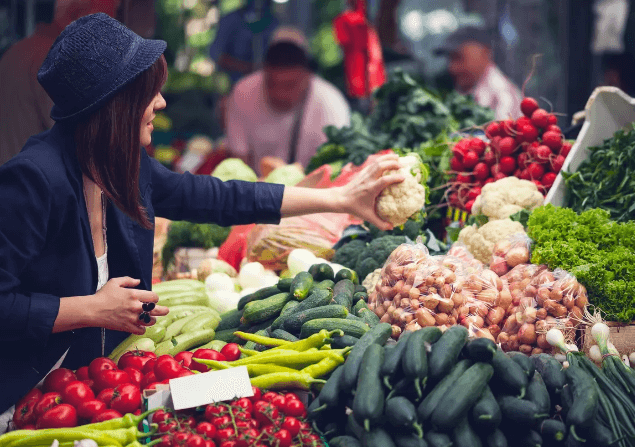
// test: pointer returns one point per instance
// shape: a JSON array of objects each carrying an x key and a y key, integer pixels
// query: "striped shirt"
[{"x": 496, "y": 91}]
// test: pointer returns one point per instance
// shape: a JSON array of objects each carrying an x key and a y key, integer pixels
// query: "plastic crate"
[{"x": 608, "y": 110}]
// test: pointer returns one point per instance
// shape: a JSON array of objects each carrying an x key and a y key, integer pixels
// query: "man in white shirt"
[
  {"x": 470, "y": 63},
  {"x": 282, "y": 109}
]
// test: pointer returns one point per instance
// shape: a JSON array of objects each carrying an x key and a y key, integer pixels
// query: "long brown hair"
[{"x": 108, "y": 142}]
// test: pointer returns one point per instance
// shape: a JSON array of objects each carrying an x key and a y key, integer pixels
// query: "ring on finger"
[
  {"x": 148, "y": 307},
  {"x": 145, "y": 317}
]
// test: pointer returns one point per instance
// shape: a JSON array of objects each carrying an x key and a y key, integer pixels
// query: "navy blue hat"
[{"x": 90, "y": 61}]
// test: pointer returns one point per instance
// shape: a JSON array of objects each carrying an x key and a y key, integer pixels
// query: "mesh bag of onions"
[{"x": 514, "y": 250}]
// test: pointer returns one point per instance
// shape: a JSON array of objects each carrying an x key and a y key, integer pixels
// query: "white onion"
[
  {"x": 595, "y": 354},
  {"x": 219, "y": 281},
  {"x": 251, "y": 275},
  {"x": 556, "y": 338},
  {"x": 300, "y": 260},
  {"x": 572, "y": 347},
  {"x": 631, "y": 357},
  {"x": 626, "y": 361}
]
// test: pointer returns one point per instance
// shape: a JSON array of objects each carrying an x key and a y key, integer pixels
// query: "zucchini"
[
  {"x": 359, "y": 305},
  {"x": 262, "y": 310},
  {"x": 204, "y": 321},
  {"x": 258, "y": 295},
  {"x": 524, "y": 362},
  {"x": 368, "y": 406},
  {"x": 554, "y": 431},
  {"x": 360, "y": 289},
  {"x": 480, "y": 350},
  {"x": 465, "y": 393},
  {"x": 343, "y": 293},
  {"x": 496, "y": 439},
  {"x": 439, "y": 392},
  {"x": 284, "y": 335},
  {"x": 318, "y": 298},
  {"x": 286, "y": 310},
  {"x": 408, "y": 440},
  {"x": 183, "y": 342},
  {"x": 229, "y": 319},
  {"x": 509, "y": 377},
  {"x": 344, "y": 341},
  {"x": 377, "y": 335},
  {"x": 436, "y": 439},
  {"x": 392, "y": 360},
  {"x": 401, "y": 414},
  {"x": 377, "y": 438},
  {"x": 322, "y": 271},
  {"x": 519, "y": 411},
  {"x": 486, "y": 414},
  {"x": 215, "y": 344},
  {"x": 301, "y": 285},
  {"x": 551, "y": 372},
  {"x": 228, "y": 336},
  {"x": 330, "y": 393},
  {"x": 445, "y": 352},
  {"x": 538, "y": 394},
  {"x": 349, "y": 274},
  {"x": 585, "y": 403},
  {"x": 369, "y": 317},
  {"x": 349, "y": 327},
  {"x": 414, "y": 361},
  {"x": 326, "y": 284},
  {"x": 293, "y": 323},
  {"x": 176, "y": 327},
  {"x": 284, "y": 285},
  {"x": 465, "y": 436},
  {"x": 344, "y": 441}
]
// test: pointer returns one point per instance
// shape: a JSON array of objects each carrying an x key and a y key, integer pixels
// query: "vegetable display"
[{"x": 187, "y": 234}]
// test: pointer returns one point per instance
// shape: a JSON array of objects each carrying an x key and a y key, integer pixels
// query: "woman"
[{"x": 79, "y": 203}]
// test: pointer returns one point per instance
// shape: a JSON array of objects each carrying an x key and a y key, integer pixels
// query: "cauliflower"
[
  {"x": 507, "y": 196},
  {"x": 234, "y": 169},
  {"x": 398, "y": 202},
  {"x": 480, "y": 241},
  {"x": 371, "y": 280}
]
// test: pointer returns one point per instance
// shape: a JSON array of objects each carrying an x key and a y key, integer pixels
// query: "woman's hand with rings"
[{"x": 120, "y": 307}]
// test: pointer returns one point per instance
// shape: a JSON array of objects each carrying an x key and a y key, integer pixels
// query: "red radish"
[
  {"x": 535, "y": 171},
  {"x": 553, "y": 140},
  {"x": 481, "y": 171},
  {"x": 548, "y": 179},
  {"x": 522, "y": 121},
  {"x": 489, "y": 180},
  {"x": 556, "y": 163},
  {"x": 477, "y": 145},
  {"x": 456, "y": 164},
  {"x": 523, "y": 160},
  {"x": 553, "y": 128},
  {"x": 565, "y": 149},
  {"x": 454, "y": 199},
  {"x": 470, "y": 160},
  {"x": 459, "y": 150},
  {"x": 552, "y": 119},
  {"x": 542, "y": 154},
  {"x": 492, "y": 130},
  {"x": 499, "y": 176},
  {"x": 532, "y": 151},
  {"x": 529, "y": 133},
  {"x": 507, "y": 128},
  {"x": 469, "y": 205},
  {"x": 524, "y": 175},
  {"x": 474, "y": 193},
  {"x": 464, "y": 178},
  {"x": 517, "y": 173},
  {"x": 507, "y": 146},
  {"x": 507, "y": 165},
  {"x": 539, "y": 118},
  {"x": 489, "y": 158},
  {"x": 495, "y": 169},
  {"x": 540, "y": 186},
  {"x": 528, "y": 106}
]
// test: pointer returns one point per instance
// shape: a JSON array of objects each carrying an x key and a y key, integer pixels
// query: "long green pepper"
[
  {"x": 120, "y": 436},
  {"x": 261, "y": 340},
  {"x": 323, "y": 367},
  {"x": 314, "y": 341}
]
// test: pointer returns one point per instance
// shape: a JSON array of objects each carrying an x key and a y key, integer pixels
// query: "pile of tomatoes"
[
  {"x": 104, "y": 389},
  {"x": 264, "y": 420}
]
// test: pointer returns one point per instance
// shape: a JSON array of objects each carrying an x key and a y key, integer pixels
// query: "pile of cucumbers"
[
  {"x": 439, "y": 389},
  {"x": 301, "y": 306}
]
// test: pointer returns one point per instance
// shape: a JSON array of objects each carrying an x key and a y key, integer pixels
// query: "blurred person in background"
[
  {"x": 619, "y": 71},
  {"x": 24, "y": 105},
  {"x": 281, "y": 110},
  {"x": 471, "y": 65}
]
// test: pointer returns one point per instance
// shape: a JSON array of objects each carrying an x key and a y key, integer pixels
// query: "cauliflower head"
[
  {"x": 480, "y": 241},
  {"x": 507, "y": 196},
  {"x": 234, "y": 169},
  {"x": 398, "y": 202}
]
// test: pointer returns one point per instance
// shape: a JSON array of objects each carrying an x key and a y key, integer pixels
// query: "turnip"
[
  {"x": 481, "y": 171},
  {"x": 565, "y": 149},
  {"x": 539, "y": 118},
  {"x": 493, "y": 130},
  {"x": 548, "y": 179},
  {"x": 507, "y": 146},
  {"x": 477, "y": 145},
  {"x": 543, "y": 153},
  {"x": 553, "y": 140},
  {"x": 535, "y": 171},
  {"x": 507, "y": 165},
  {"x": 528, "y": 106},
  {"x": 456, "y": 164},
  {"x": 470, "y": 159},
  {"x": 489, "y": 157},
  {"x": 557, "y": 162},
  {"x": 522, "y": 160}
]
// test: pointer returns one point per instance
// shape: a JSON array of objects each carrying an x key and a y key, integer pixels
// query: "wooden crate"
[{"x": 622, "y": 336}]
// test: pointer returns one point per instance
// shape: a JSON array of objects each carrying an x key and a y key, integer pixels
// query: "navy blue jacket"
[{"x": 46, "y": 247}]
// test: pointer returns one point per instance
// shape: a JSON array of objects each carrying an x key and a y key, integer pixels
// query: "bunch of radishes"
[{"x": 530, "y": 148}]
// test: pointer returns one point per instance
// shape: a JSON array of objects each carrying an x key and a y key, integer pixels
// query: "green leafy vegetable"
[{"x": 192, "y": 235}]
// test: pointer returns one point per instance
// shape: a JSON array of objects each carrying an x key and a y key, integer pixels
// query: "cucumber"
[
  {"x": 585, "y": 403},
  {"x": 352, "y": 317},
  {"x": 486, "y": 414},
  {"x": 255, "y": 327},
  {"x": 360, "y": 296},
  {"x": 554, "y": 431},
  {"x": 293, "y": 323},
  {"x": 392, "y": 360},
  {"x": 205, "y": 321},
  {"x": 347, "y": 274},
  {"x": 401, "y": 414},
  {"x": 262, "y": 310},
  {"x": 322, "y": 271},
  {"x": 284, "y": 285},
  {"x": 439, "y": 392},
  {"x": 406, "y": 388},
  {"x": 464, "y": 436},
  {"x": 408, "y": 440},
  {"x": 368, "y": 406},
  {"x": 551, "y": 372},
  {"x": 359, "y": 305},
  {"x": 258, "y": 295},
  {"x": 524, "y": 362},
  {"x": 330, "y": 393},
  {"x": 228, "y": 336},
  {"x": 252, "y": 344},
  {"x": 566, "y": 400},
  {"x": 436, "y": 439},
  {"x": 286, "y": 310},
  {"x": 301, "y": 285},
  {"x": 183, "y": 342},
  {"x": 349, "y": 327},
  {"x": 465, "y": 393},
  {"x": 284, "y": 335},
  {"x": 496, "y": 439},
  {"x": 377, "y": 438},
  {"x": 360, "y": 289},
  {"x": 445, "y": 352},
  {"x": 519, "y": 411},
  {"x": 480, "y": 350},
  {"x": 509, "y": 377},
  {"x": 326, "y": 284},
  {"x": 344, "y": 441},
  {"x": 343, "y": 293},
  {"x": 377, "y": 335},
  {"x": 369, "y": 317},
  {"x": 229, "y": 319},
  {"x": 344, "y": 341},
  {"x": 598, "y": 434},
  {"x": 319, "y": 298},
  {"x": 538, "y": 394},
  {"x": 414, "y": 361}
]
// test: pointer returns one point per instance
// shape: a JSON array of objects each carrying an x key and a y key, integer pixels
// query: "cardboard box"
[{"x": 622, "y": 336}]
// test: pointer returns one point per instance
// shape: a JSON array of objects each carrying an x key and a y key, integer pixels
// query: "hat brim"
[{"x": 147, "y": 54}]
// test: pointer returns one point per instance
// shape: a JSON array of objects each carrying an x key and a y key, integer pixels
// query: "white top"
[
  {"x": 102, "y": 268},
  {"x": 496, "y": 91},
  {"x": 254, "y": 128}
]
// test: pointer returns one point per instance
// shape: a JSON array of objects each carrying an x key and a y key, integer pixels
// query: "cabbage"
[
  {"x": 288, "y": 175},
  {"x": 234, "y": 169}
]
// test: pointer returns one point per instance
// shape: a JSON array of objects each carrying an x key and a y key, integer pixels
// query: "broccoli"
[
  {"x": 376, "y": 253},
  {"x": 348, "y": 253},
  {"x": 411, "y": 229},
  {"x": 189, "y": 234}
]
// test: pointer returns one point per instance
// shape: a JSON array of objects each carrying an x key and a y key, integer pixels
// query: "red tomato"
[
  {"x": 29, "y": 427},
  {"x": 24, "y": 413},
  {"x": 184, "y": 358},
  {"x": 149, "y": 366},
  {"x": 244, "y": 403},
  {"x": 168, "y": 426},
  {"x": 98, "y": 365},
  {"x": 291, "y": 396},
  {"x": 231, "y": 351},
  {"x": 48, "y": 401},
  {"x": 195, "y": 441},
  {"x": 160, "y": 416},
  {"x": 209, "y": 443},
  {"x": 106, "y": 416},
  {"x": 225, "y": 434},
  {"x": 166, "y": 441},
  {"x": 34, "y": 395},
  {"x": 77, "y": 392},
  {"x": 63, "y": 415},
  {"x": 269, "y": 396},
  {"x": 305, "y": 426},
  {"x": 90, "y": 384},
  {"x": 266, "y": 414},
  {"x": 228, "y": 444},
  {"x": 212, "y": 411},
  {"x": 279, "y": 401},
  {"x": 147, "y": 380},
  {"x": 257, "y": 394},
  {"x": 221, "y": 421},
  {"x": 167, "y": 368},
  {"x": 106, "y": 395},
  {"x": 126, "y": 398},
  {"x": 190, "y": 421},
  {"x": 58, "y": 379},
  {"x": 135, "y": 359},
  {"x": 207, "y": 429},
  {"x": 180, "y": 438},
  {"x": 206, "y": 354},
  {"x": 247, "y": 437},
  {"x": 292, "y": 425},
  {"x": 283, "y": 438},
  {"x": 91, "y": 408},
  {"x": 111, "y": 378},
  {"x": 183, "y": 373},
  {"x": 135, "y": 376}
]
